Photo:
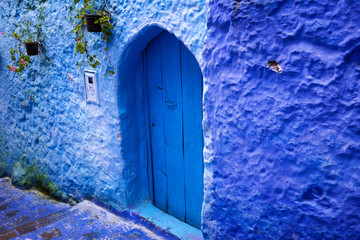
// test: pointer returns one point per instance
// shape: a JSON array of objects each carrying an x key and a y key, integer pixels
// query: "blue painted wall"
[
  {"x": 282, "y": 149},
  {"x": 90, "y": 151}
]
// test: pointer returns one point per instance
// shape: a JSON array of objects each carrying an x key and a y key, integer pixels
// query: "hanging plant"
[
  {"x": 95, "y": 21},
  {"x": 18, "y": 57},
  {"x": 28, "y": 33}
]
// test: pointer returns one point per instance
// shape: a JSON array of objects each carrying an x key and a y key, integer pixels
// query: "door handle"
[{"x": 171, "y": 104}]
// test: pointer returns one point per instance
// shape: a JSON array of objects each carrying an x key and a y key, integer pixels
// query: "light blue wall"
[{"x": 88, "y": 150}]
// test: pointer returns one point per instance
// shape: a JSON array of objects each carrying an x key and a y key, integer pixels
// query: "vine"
[
  {"x": 27, "y": 34},
  {"x": 81, "y": 45}
]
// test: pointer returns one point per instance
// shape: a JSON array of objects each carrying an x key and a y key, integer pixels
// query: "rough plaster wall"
[
  {"x": 282, "y": 149},
  {"x": 78, "y": 144}
]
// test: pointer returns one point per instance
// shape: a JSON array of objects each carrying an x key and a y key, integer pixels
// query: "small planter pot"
[
  {"x": 32, "y": 48},
  {"x": 91, "y": 25}
]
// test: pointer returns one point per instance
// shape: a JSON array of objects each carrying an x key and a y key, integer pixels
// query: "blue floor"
[{"x": 30, "y": 215}]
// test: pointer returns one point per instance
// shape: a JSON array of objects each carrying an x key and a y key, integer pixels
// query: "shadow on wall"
[
  {"x": 1, "y": 60},
  {"x": 354, "y": 56}
]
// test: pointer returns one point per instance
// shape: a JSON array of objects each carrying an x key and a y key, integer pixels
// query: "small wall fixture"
[
  {"x": 275, "y": 66},
  {"x": 91, "y": 89}
]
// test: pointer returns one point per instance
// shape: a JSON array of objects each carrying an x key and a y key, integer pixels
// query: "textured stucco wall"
[
  {"x": 83, "y": 146},
  {"x": 282, "y": 149}
]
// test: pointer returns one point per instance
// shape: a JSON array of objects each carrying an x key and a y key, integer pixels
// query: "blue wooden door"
[{"x": 174, "y": 83}]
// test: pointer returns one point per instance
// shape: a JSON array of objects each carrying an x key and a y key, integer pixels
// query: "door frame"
[{"x": 133, "y": 130}]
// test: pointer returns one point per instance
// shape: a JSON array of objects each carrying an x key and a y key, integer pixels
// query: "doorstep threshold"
[{"x": 167, "y": 222}]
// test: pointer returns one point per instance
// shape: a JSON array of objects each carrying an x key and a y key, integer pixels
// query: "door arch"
[{"x": 173, "y": 81}]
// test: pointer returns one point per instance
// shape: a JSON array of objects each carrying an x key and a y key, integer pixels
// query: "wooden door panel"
[
  {"x": 156, "y": 123},
  {"x": 192, "y": 122},
  {"x": 175, "y": 113},
  {"x": 173, "y": 132}
]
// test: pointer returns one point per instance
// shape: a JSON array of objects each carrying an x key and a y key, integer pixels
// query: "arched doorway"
[{"x": 173, "y": 92}]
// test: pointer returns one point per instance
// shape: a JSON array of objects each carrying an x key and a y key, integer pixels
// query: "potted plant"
[
  {"x": 95, "y": 21},
  {"x": 29, "y": 33},
  {"x": 17, "y": 55}
]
